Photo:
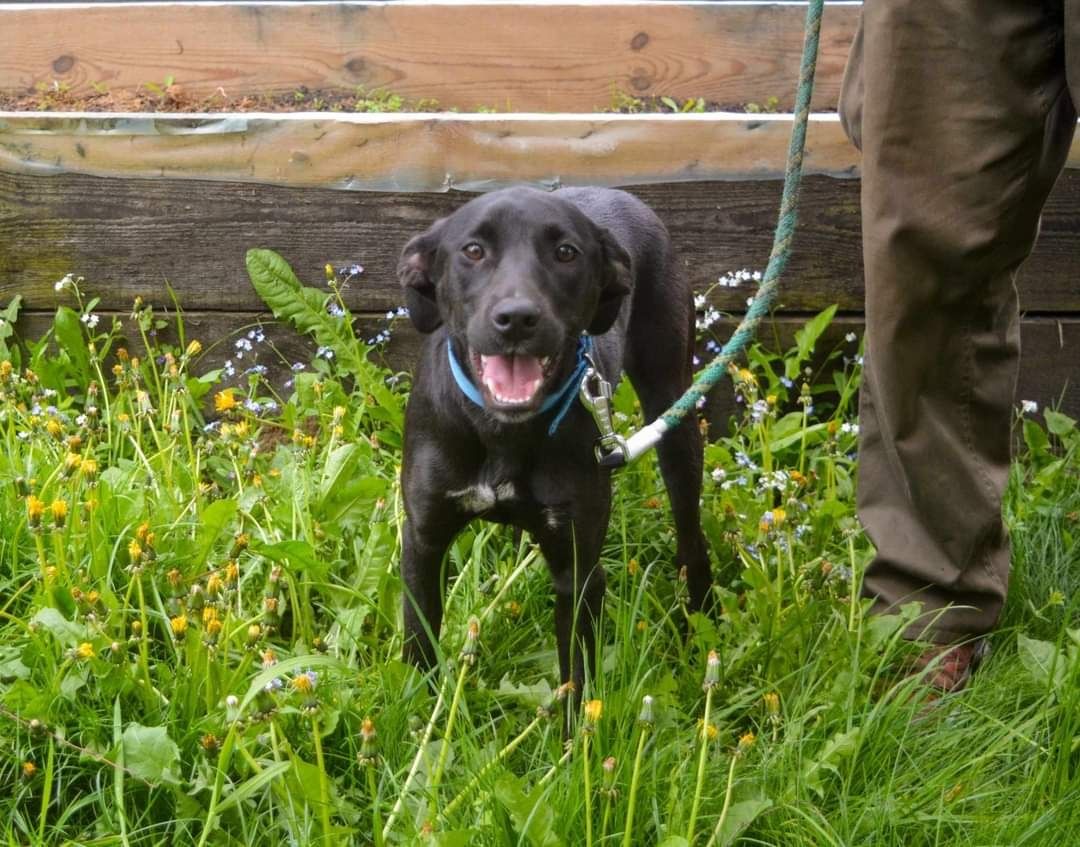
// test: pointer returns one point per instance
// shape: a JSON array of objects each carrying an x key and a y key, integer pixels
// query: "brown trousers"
[{"x": 963, "y": 113}]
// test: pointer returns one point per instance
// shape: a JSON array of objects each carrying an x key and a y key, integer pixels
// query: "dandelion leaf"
[
  {"x": 529, "y": 811},
  {"x": 303, "y": 307},
  {"x": 739, "y": 817},
  {"x": 1042, "y": 661},
  {"x": 149, "y": 753}
]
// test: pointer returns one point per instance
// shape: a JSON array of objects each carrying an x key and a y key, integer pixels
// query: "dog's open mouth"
[{"x": 512, "y": 381}]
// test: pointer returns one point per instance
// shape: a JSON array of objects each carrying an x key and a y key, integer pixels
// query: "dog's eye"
[
  {"x": 566, "y": 253},
  {"x": 474, "y": 251}
]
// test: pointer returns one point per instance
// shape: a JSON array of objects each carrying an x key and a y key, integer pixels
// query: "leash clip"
[{"x": 595, "y": 392}]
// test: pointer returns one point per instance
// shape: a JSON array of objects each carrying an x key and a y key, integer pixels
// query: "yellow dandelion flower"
[
  {"x": 194, "y": 348},
  {"x": 632, "y": 567},
  {"x": 304, "y": 683},
  {"x": 85, "y": 650},
  {"x": 53, "y": 428},
  {"x": 746, "y": 741},
  {"x": 710, "y": 732},
  {"x": 35, "y": 508},
  {"x": 88, "y": 466},
  {"x": 213, "y": 628},
  {"x": 28, "y": 768},
  {"x": 179, "y": 625},
  {"x": 593, "y": 710},
  {"x": 209, "y": 613},
  {"x": 135, "y": 550},
  {"x": 59, "y": 510},
  {"x": 5, "y": 370},
  {"x": 225, "y": 401},
  {"x": 214, "y": 585},
  {"x": 772, "y": 703}
]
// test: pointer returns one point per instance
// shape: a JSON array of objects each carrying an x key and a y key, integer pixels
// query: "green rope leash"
[{"x": 613, "y": 455}]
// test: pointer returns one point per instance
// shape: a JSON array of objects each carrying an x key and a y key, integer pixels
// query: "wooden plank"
[
  {"x": 129, "y": 237},
  {"x": 419, "y": 152},
  {"x": 1048, "y": 373},
  {"x": 511, "y": 56}
]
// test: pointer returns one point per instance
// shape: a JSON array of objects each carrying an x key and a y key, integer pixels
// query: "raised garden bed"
[{"x": 134, "y": 201}]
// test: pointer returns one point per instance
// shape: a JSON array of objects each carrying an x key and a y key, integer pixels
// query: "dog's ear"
[
  {"x": 414, "y": 272},
  {"x": 614, "y": 284}
]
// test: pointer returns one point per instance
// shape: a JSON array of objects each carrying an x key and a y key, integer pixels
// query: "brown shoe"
[{"x": 947, "y": 667}]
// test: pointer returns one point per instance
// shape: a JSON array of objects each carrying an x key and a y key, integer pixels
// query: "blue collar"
[{"x": 561, "y": 399}]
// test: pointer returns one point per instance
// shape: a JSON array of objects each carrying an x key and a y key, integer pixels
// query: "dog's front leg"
[
  {"x": 572, "y": 554},
  {"x": 421, "y": 570}
]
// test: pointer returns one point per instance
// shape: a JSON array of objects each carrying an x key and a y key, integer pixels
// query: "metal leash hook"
[{"x": 610, "y": 448}]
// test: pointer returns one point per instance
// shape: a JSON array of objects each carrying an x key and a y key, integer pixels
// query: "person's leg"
[{"x": 964, "y": 120}]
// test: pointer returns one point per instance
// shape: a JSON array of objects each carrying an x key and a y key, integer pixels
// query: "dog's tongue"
[{"x": 512, "y": 379}]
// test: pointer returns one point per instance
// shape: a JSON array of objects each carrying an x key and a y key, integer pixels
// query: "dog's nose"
[{"x": 515, "y": 318}]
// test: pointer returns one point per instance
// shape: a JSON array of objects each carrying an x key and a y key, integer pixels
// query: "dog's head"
[{"x": 516, "y": 276}]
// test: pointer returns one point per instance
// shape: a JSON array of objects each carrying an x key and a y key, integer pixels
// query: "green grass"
[{"x": 201, "y": 646}]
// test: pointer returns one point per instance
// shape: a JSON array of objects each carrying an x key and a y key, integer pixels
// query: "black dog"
[{"x": 511, "y": 287}]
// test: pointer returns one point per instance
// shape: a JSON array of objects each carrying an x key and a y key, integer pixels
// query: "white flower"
[
  {"x": 1029, "y": 407},
  {"x": 90, "y": 319},
  {"x": 65, "y": 283},
  {"x": 850, "y": 338},
  {"x": 718, "y": 474}
]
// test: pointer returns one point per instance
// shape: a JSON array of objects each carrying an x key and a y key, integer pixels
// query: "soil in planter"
[{"x": 171, "y": 97}]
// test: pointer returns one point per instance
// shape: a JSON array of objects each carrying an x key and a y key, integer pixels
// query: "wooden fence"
[{"x": 136, "y": 202}]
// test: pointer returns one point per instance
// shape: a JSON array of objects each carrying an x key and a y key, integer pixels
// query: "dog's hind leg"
[{"x": 659, "y": 364}]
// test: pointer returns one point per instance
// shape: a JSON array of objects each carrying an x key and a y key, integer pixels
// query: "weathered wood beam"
[
  {"x": 511, "y": 56},
  {"x": 131, "y": 237},
  {"x": 418, "y": 152}
]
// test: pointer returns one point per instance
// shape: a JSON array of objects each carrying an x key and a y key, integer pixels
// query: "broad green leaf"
[
  {"x": 73, "y": 680},
  {"x": 66, "y": 632},
  {"x": 213, "y": 521},
  {"x": 298, "y": 555},
  {"x": 455, "y": 838},
  {"x": 1035, "y": 437},
  {"x": 537, "y": 694},
  {"x": 69, "y": 337},
  {"x": 739, "y": 817},
  {"x": 832, "y": 755},
  {"x": 807, "y": 337},
  {"x": 8, "y": 315},
  {"x": 304, "y": 308},
  {"x": 1041, "y": 660},
  {"x": 674, "y": 841},
  {"x": 13, "y": 668},
  {"x": 1058, "y": 423},
  {"x": 530, "y": 813},
  {"x": 149, "y": 753}
]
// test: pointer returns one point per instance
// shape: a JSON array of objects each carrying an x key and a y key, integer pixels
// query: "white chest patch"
[{"x": 482, "y": 497}]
